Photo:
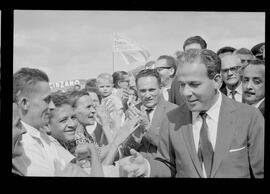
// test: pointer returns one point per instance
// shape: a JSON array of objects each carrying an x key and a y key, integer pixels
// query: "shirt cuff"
[{"x": 148, "y": 170}]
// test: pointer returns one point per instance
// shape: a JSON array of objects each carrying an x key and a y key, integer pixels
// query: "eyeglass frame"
[
  {"x": 158, "y": 69},
  {"x": 232, "y": 69}
]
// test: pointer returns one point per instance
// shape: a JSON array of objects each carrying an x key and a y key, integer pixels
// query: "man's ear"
[
  {"x": 172, "y": 70},
  {"x": 217, "y": 81},
  {"x": 24, "y": 103}
]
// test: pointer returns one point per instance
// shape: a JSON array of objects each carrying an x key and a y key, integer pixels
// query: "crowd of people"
[{"x": 199, "y": 114}]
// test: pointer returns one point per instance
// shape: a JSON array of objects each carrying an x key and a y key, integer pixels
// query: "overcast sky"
[{"x": 78, "y": 44}]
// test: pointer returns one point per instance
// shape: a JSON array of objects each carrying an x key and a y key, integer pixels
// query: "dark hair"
[
  {"x": 148, "y": 73},
  {"x": 257, "y": 62},
  {"x": 90, "y": 83},
  {"x": 243, "y": 51},
  {"x": 118, "y": 76},
  {"x": 26, "y": 77},
  {"x": 59, "y": 98},
  {"x": 207, "y": 57},
  {"x": 225, "y": 49},
  {"x": 171, "y": 62},
  {"x": 74, "y": 96},
  {"x": 257, "y": 50},
  {"x": 195, "y": 39}
]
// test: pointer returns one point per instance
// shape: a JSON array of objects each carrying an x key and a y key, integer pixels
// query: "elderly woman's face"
[{"x": 63, "y": 123}]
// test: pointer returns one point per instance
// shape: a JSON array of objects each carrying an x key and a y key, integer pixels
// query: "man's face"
[
  {"x": 192, "y": 46},
  {"x": 85, "y": 110},
  {"x": 164, "y": 71},
  {"x": 63, "y": 123},
  {"x": 245, "y": 59},
  {"x": 148, "y": 91},
  {"x": 124, "y": 83},
  {"x": 253, "y": 83},
  {"x": 230, "y": 70},
  {"x": 40, "y": 104},
  {"x": 105, "y": 87},
  {"x": 198, "y": 90}
]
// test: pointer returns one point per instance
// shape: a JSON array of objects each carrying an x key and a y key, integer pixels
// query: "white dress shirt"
[
  {"x": 41, "y": 152},
  {"x": 238, "y": 93},
  {"x": 165, "y": 93}
]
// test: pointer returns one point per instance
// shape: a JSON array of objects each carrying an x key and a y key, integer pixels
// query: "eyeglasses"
[
  {"x": 232, "y": 69},
  {"x": 245, "y": 60},
  {"x": 161, "y": 68}
]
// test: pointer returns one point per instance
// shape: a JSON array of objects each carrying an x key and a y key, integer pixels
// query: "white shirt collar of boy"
[{"x": 238, "y": 94}]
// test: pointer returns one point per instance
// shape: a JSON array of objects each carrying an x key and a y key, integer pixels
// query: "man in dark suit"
[
  {"x": 154, "y": 107},
  {"x": 194, "y": 42},
  {"x": 210, "y": 136},
  {"x": 254, "y": 84}
]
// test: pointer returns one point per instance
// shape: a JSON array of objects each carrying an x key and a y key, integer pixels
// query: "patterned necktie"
[
  {"x": 233, "y": 92},
  {"x": 205, "y": 150}
]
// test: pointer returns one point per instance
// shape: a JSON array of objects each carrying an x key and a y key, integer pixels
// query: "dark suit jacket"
[
  {"x": 150, "y": 140},
  {"x": 174, "y": 93},
  {"x": 261, "y": 107},
  {"x": 239, "y": 146},
  {"x": 223, "y": 89}
]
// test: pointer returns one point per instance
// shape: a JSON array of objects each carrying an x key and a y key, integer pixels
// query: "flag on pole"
[{"x": 130, "y": 51}]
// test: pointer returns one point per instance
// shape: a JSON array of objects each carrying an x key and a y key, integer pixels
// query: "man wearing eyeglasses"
[
  {"x": 166, "y": 67},
  {"x": 231, "y": 75}
]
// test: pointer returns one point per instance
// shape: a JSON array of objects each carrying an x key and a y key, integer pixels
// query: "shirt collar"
[
  {"x": 238, "y": 89},
  {"x": 214, "y": 109},
  {"x": 31, "y": 130},
  {"x": 258, "y": 103}
]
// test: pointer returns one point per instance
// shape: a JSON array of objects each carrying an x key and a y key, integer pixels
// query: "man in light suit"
[
  {"x": 210, "y": 135},
  {"x": 154, "y": 106}
]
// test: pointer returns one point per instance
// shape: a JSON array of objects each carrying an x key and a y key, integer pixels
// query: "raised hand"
[{"x": 134, "y": 165}]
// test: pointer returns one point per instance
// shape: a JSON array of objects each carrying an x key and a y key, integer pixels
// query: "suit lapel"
[
  {"x": 224, "y": 132},
  {"x": 158, "y": 115},
  {"x": 189, "y": 141}
]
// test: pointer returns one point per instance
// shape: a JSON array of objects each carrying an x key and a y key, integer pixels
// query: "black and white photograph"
[{"x": 118, "y": 93}]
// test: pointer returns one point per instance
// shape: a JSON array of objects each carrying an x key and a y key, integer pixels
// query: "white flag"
[{"x": 131, "y": 52}]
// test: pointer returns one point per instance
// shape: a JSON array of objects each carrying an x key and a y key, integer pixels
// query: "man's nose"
[
  {"x": 72, "y": 122},
  {"x": 187, "y": 91}
]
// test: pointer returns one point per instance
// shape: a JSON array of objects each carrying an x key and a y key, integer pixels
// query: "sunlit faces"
[
  {"x": 85, "y": 110},
  {"x": 124, "y": 83},
  {"x": 199, "y": 92},
  {"x": 253, "y": 83},
  {"x": 148, "y": 91},
  {"x": 192, "y": 46},
  {"x": 231, "y": 70},
  {"x": 38, "y": 104},
  {"x": 63, "y": 123},
  {"x": 95, "y": 98},
  {"x": 164, "y": 71},
  {"x": 105, "y": 87}
]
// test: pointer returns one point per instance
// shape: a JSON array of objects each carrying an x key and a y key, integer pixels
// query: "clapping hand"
[
  {"x": 134, "y": 165},
  {"x": 70, "y": 170}
]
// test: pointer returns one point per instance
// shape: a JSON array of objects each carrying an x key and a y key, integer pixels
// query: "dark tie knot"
[
  {"x": 233, "y": 92},
  {"x": 203, "y": 115},
  {"x": 148, "y": 110}
]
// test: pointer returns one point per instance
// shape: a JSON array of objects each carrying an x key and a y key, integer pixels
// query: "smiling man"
[
  {"x": 253, "y": 83},
  {"x": 210, "y": 136}
]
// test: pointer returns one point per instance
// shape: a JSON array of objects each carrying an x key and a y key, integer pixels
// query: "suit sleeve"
[
  {"x": 256, "y": 145},
  {"x": 163, "y": 165}
]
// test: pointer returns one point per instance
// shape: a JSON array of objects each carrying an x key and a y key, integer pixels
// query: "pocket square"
[{"x": 234, "y": 150}]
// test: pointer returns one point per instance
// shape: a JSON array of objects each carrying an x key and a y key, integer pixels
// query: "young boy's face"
[{"x": 105, "y": 87}]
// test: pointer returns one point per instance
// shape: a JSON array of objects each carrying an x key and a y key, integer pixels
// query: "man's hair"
[
  {"x": 93, "y": 90},
  {"x": 104, "y": 76},
  {"x": 74, "y": 96},
  {"x": 195, "y": 39},
  {"x": 171, "y": 62},
  {"x": 90, "y": 83},
  {"x": 148, "y": 73},
  {"x": 256, "y": 62},
  {"x": 243, "y": 51},
  {"x": 25, "y": 78},
  {"x": 207, "y": 57},
  {"x": 225, "y": 49},
  {"x": 59, "y": 98},
  {"x": 118, "y": 76},
  {"x": 257, "y": 50}
]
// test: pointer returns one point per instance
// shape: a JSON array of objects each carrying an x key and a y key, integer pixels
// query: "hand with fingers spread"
[{"x": 134, "y": 165}]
